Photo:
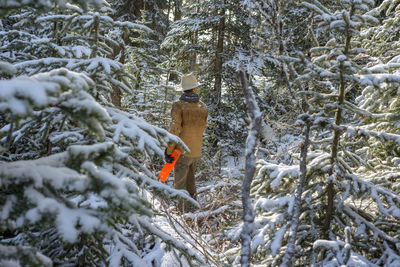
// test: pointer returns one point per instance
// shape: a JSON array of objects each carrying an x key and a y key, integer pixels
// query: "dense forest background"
[{"x": 301, "y": 154}]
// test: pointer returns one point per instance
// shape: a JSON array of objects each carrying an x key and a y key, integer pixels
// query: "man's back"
[{"x": 189, "y": 121}]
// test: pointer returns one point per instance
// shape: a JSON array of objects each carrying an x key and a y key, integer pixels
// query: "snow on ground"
[
  {"x": 234, "y": 166},
  {"x": 219, "y": 196},
  {"x": 185, "y": 228}
]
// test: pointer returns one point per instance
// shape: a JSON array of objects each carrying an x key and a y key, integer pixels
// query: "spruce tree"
[
  {"x": 208, "y": 40},
  {"x": 347, "y": 214},
  {"x": 74, "y": 182}
]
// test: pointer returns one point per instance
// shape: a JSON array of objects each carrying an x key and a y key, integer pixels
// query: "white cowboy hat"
[{"x": 188, "y": 82}]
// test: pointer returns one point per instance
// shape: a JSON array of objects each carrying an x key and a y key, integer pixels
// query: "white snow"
[
  {"x": 277, "y": 242},
  {"x": 7, "y": 68},
  {"x": 269, "y": 204}
]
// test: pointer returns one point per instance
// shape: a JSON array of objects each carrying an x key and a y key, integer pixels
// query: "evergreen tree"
[
  {"x": 152, "y": 10},
  {"x": 152, "y": 89},
  {"x": 381, "y": 97},
  {"x": 207, "y": 40},
  {"x": 153, "y": 92},
  {"x": 73, "y": 180},
  {"x": 346, "y": 213}
]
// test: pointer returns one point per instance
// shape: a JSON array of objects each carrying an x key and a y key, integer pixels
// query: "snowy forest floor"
[
  {"x": 219, "y": 180},
  {"x": 219, "y": 198}
]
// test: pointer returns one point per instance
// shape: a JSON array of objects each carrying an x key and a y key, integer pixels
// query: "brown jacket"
[{"x": 189, "y": 120}]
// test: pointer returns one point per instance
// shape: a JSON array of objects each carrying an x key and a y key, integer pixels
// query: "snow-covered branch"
[{"x": 251, "y": 143}]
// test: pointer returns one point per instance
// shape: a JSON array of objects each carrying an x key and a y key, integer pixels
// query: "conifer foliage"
[
  {"x": 73, "y": 182},
  {"x": 78, "y": 161},
  {"x": 349, "y": 207}
]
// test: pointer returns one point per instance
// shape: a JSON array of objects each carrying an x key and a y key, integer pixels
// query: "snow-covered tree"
[
  {"x": 78, "y": 203},
  {"x": 381, "y": 97},
  {"x": 153, "y": 92},
  {"x": 145, "y": 60},
  {"x": 277, "y": 34},
  {"x": 203, "y": 41},
  {"x": 155, "y": 12},
  {"x": 349, "y": 205},
  {"x": 74, "y": 181}
]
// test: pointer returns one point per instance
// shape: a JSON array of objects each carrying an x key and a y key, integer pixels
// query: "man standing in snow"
[{"x": 189, "y": 120}]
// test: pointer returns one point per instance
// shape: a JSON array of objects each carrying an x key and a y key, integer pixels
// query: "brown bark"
[
  {"x": 218, "y": 57},
  {"x": 177, "y": 16},
  {"x": 116, "y": 97},
  {"x": 178, "y": 10},
  {"x": 95, "y": 38},
  {"x": 195, "y": 39},
  {"x": 193, "y": 56}
]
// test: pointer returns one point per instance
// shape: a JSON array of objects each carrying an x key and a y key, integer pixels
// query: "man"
[{"x": 189, "y": 120}]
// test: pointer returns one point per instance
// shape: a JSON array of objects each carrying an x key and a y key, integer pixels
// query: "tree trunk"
[
  {"x": 336, "y": 136},
  {"x": 178, "y": 10},
  {"x": 95, "y": 37},
  {"x": 116, "y": 97},
  {"x": 168, "y": 14},
  {"x": 287, "y": 69},
  {"x": 164, "y": 109},
  {"x": 218, "y": 57},
  {"x": 195, "y": 40},
  {"x": 251, "y": 143},
  {"x": 287, "y": 258},
  {"x": 177, "y": 16},
  {"x": 116, "y": 93},
  {"x": 9, "y": 134},
  {"x": 193, "y": 56}
]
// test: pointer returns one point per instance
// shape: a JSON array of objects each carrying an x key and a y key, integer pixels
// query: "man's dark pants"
[{"x": 184, "y": 172}]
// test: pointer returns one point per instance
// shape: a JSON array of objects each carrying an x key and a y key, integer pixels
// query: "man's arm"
[{"x": 175, "y": 125}]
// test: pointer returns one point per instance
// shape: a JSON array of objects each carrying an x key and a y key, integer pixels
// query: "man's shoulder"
[
  {"x": 202, "y": 104},
  {"x": 177, "y": 103},
  {"x": 181, "y": 104}
]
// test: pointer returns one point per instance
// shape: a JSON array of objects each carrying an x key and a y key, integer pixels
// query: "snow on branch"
[
  {"x": 251, "y": 143},
  {"x": 269, "y": 204},
  {"x": 21, "y": 95},
  {"x": 377, "y": 232},
  {"x": 170, "y": 240},
  {"x": 340, "y": 253},
  {"x": 377, "y": 79},
  {"x": 13, "y": 255},
  {"x": 383, "y": 136},
  {"x": 17, "y": 4},
  {"x": 328, "y": 244},
  {"x": 92, "y": 196},
  {"x": 7, "y": 68},
  {"x": 146, "y": 136},
  {"x": 125, "y": 248},
  {"x": 276, "y": 172},
  {"x": 390, "y": 257},
  {"x": 316, "y": 7},
  {"x": 375, "y": 192},
  {"x": 81, "y": 106},
  {"x": 150, "y": 182}
]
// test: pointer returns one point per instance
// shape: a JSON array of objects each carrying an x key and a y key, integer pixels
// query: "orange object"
[{"x": 166, "y": 170}]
